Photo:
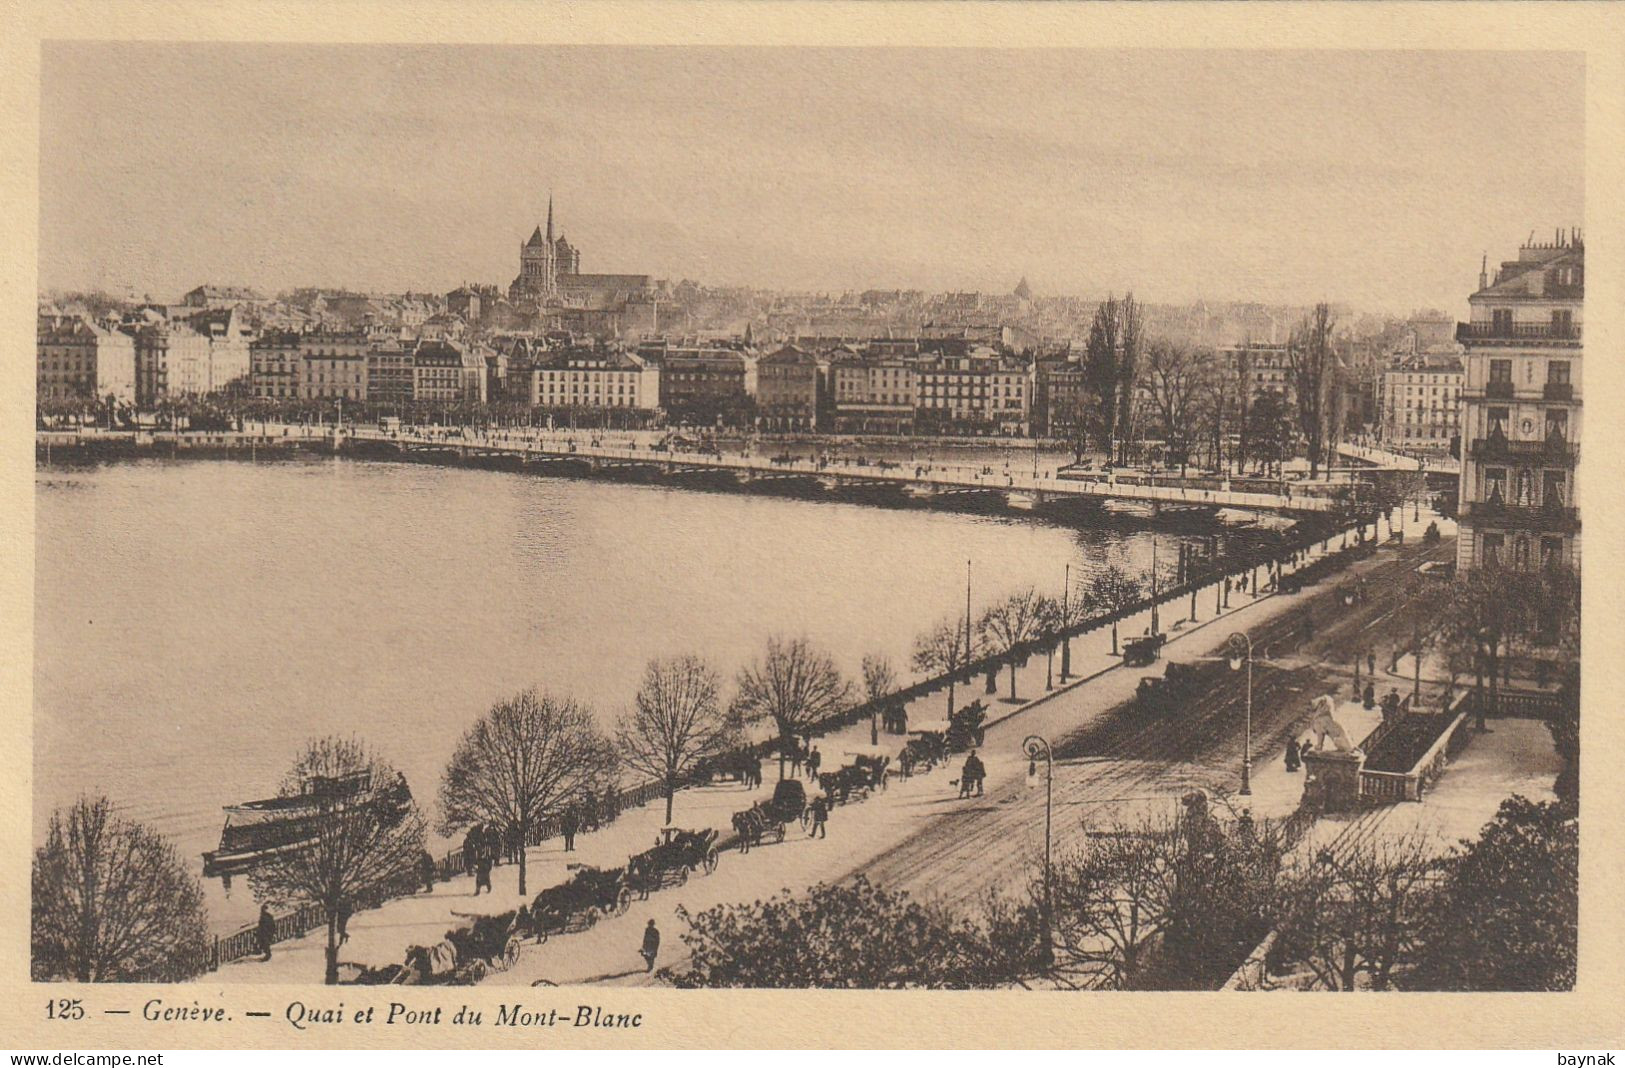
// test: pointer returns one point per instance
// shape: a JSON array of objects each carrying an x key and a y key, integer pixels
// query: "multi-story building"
[
  {"x": 1521, "y": 411},
  {"x": 974, "y": 394},
  {"x": 79, "y": 359},
  {"x": 1421, "y": 402},
  {"x": 788, "y": 393},
  {"x": 873, "y": 394},
  {"x": 335, "y": 365},
  {"x": 1060, "y": 398},
  {"x": 704, "y": 386},
  {"x": 1267, "y": 367},
  {"x": 275, "y": 365},
  {"x": 229, "y": 336},
  {"x": 447, "y": 372},
  {"x": 390, "y": 379},
  {"x": 171, "y": 361},
  {"x": 580, "y": 377}
]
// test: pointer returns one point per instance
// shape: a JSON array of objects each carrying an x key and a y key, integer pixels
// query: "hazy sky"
[{"x": 1377, "y": 178}]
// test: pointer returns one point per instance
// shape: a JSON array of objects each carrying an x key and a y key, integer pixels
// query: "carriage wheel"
[
  {"x": 510, "y": 953},
  {"x": 682, "y": 876},
  {"x": 623, "y": 901},
  {"x": 477, "y": 971},
  {"x": 711, "y": 860},
  {"x": 593, "y": 915}
]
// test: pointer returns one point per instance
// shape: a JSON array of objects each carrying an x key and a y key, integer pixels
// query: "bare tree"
[
  {"x": 1243, "y": 393},
  {"x": 363, "y": 833},
  {"x": 1128, "y": 372},
  {"x": 1113, "y": 901},
  {"x": 529, "y": 757},
  {"x": 878, "y": 680},
  {"x": 677, "y": 721},
  {"x": 112, "y": 902},
  {"x": 1313, "y": 366},
  {"x": 944, "y": 650},
  {"x": 1354, "y": 916},
  {"x": 1013, "y": 622},
  {"x": 796, "y": 685},
  {"x": 1173, "y": 378},
  {"x": 1113, "y": 589}
]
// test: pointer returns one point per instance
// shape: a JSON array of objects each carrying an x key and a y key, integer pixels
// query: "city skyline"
[{"x": 810, "y": 170}]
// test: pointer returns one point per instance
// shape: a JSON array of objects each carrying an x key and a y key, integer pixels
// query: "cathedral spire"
[{"x": 550, "y": 217}]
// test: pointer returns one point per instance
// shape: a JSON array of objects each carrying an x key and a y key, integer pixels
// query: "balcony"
[
  {"x": 1498, "y": 390},
  {"x": 1554, "y": 451},
  {"x": 1541, "y": 518},
  {"x": 1514, "y": 332},
  {"x": 1559, "y": 391}
]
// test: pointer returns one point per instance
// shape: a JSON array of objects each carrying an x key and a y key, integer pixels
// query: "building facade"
[
  {"x": 1421, "y": 403},
  {"x": 873, "y": 394},
  {"x": 1521, "y": 411},
  {"x": 275, "y": 365},
  {"x": 77, "y": 359},
  {"x": 601, "y": 378},
  {"x": 447, "y": 372},
  {"x": 334, "y": 365},
  {"x": 171, "y": 361},
  {"x": 390, "y": 379},
  {"x": 704, "y": 386},
  {"x": 788, "y": 392}
]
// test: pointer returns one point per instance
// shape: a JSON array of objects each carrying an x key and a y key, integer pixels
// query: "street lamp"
[
  {"x": 1241, "y": 650},
  {"x": 1036, "y": 746}
]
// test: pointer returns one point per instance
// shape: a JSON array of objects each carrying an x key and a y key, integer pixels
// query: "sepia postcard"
[{"x": 812, "y": 526}]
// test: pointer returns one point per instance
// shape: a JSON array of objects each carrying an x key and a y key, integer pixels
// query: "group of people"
[{"x": 972, "y": 775}]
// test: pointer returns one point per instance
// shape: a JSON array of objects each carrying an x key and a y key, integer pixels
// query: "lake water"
[{"x": 196, "y": 622}]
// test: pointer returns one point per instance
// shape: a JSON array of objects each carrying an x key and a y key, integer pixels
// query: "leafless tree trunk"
[
  {"x": 1314, "y": 370},
  {"x": 1014, "y": 621},
  {"x": 796, "y": 685},
  {"x": 360, "y": 838},
  {"x": 942, "y": 650},
  {"x": 530, "y": 756},
  {"x": 878, "y": 680},
  {"x": 677, "y": 721}
]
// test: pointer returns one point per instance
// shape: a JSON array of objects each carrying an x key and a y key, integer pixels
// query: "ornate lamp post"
[
  {"x": 1241, "y": 651},
  {"x": 1036, "y": 746}
]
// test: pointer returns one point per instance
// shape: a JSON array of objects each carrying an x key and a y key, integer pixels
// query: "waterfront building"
[
  {"x": 1421, "y": 402},
  {"x": 445, "y": 371},
  {"x": 979, "y": 393},
  {"x": 79, "y": 359},
  {"x": 275, "y": 365},
  {"x": 228, "y": 335},
  {"x": 1266, "y": 368},
  {"x": 1521, "y": 410},
  {"x": 390, "y": 377},
  {"x": 704, "y": 386},
  {"x": 171, "y": 361},
  {"x": 1060, "y": 398},
  {"x": 597, "y": 378},
  {"x": 334, "y": 365},
  {"x": 873, "y": 394},
  {"x": 788, "y": 390}
]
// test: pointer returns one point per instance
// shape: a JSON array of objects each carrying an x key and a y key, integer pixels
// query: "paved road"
[{"x": 1116, "y": 757}]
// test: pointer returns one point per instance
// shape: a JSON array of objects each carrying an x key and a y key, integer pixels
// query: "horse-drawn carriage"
[
  {"x": 676, "y": 856},
  {"x": 866, "y": 773},
  {"x": 771, "y": 817},
  {"x": 589, "y": 895},
  {"x": 965, "y": 729},
  {"x": 466, "y": 955},
  {"x": 1143, "y": 651}
]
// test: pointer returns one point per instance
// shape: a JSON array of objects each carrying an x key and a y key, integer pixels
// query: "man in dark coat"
[
  {"x": 426, "y": 871},
  {"x": 482, "y": 873},
  {"x": 265, "y": 932},
  {"x": 651, "y": 945},
  {"x": 814, "y": 760},
  {"x": 820, "y": 815},
  {"x": 569, "y": 825},
  {"x": 1292, "y": 754},
  {"x": 971, "y": 775},
  {"x": 473, "y": 842}
]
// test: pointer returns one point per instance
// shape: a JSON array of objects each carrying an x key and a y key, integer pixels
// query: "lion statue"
[{"x": 1323, "y": 725}]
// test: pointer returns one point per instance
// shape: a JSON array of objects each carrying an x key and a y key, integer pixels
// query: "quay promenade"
[{"x": 626, "y": 450}]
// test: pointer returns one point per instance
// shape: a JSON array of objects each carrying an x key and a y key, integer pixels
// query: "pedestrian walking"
[
  {"x": 1370, "y": 698},
  {"x": 426, "y": 871},
  {"x": 1292, "y": 760},
  {"x": 820, "y": 814},
  {"x": 795, "y": 756},
  {"x": 651, "y": 945},
  {"x": 482, "y": 874},
  {"x": 971, "y": 775},
  {"x": 471, "y": 848},
  {"x": 265, "y": 932},
  {"x": 569, "y": 825},
  {"x": 345, "y": 909},
  {"x": 814, "y": 759}
]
